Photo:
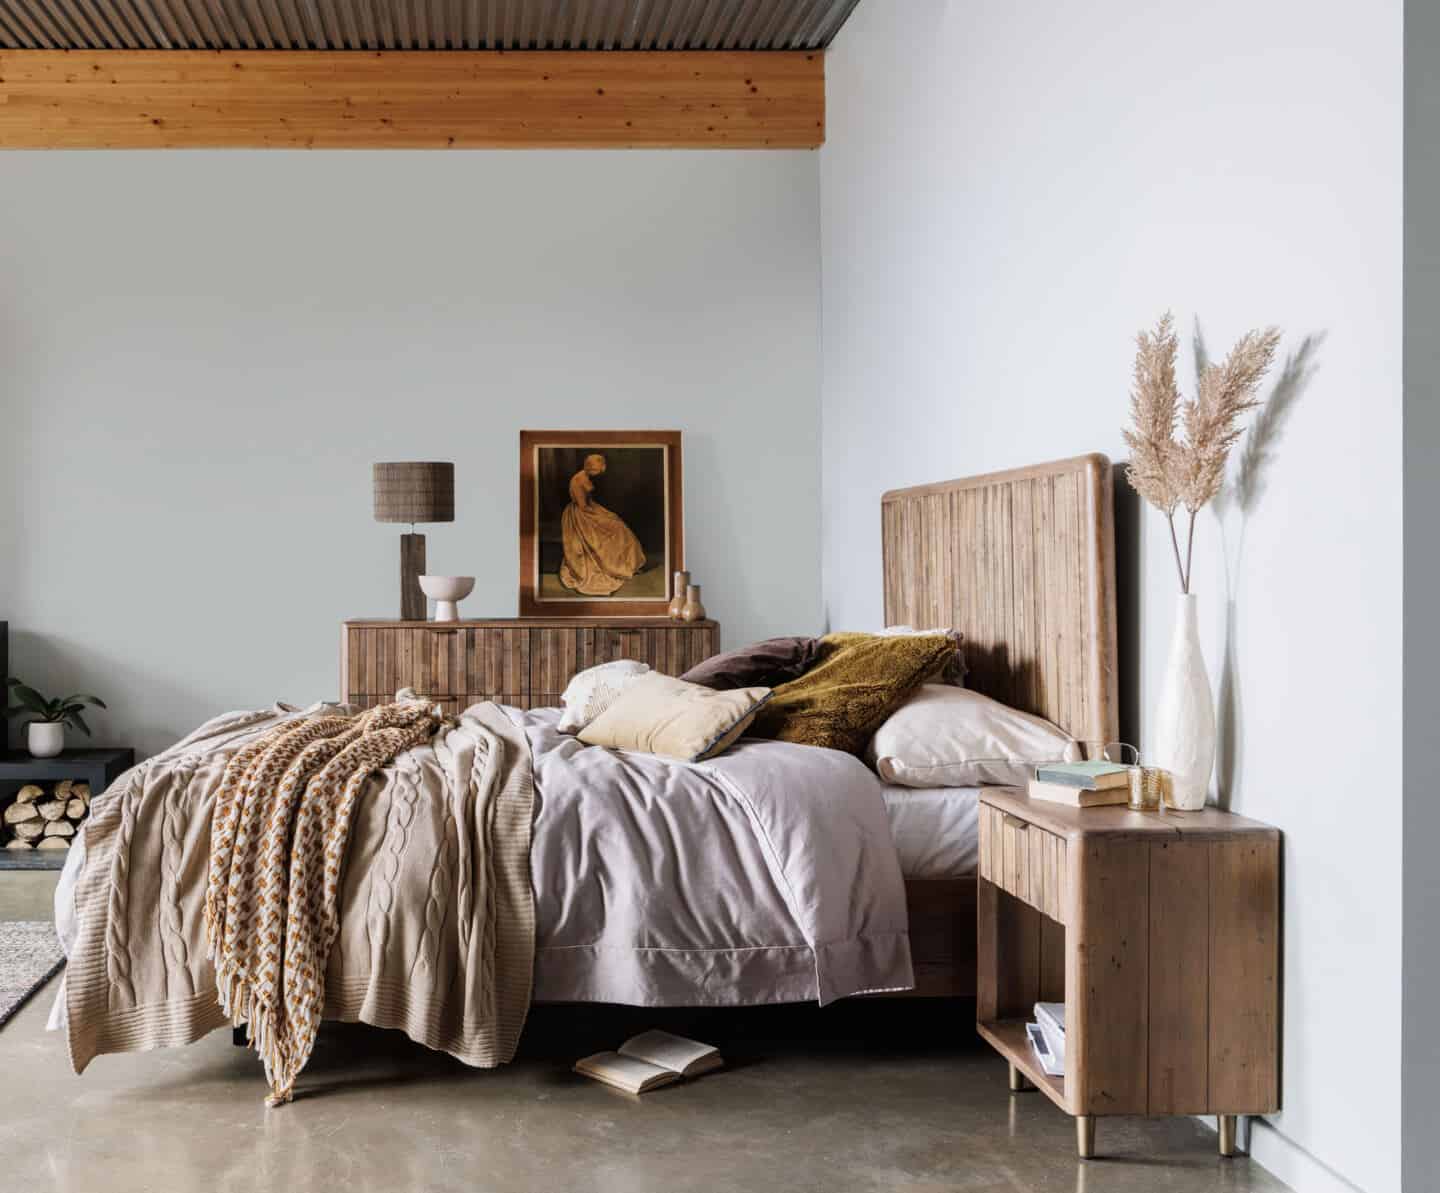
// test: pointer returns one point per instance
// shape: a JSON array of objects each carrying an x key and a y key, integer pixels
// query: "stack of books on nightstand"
[
  {"x": 1047, "y": 1037},
  {"x": 1081, "y": 784}
]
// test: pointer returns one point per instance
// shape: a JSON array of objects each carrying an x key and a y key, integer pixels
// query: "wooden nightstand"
[{"x": 1160, "y": 933}]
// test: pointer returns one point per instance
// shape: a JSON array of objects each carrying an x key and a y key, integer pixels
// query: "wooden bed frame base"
[{"x": 942, "y": 936}]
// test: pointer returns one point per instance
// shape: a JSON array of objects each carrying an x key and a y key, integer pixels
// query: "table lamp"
[{"x": 414, "y": 492}]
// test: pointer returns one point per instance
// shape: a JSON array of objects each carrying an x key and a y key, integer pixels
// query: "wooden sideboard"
[{"x": 521, "y": 661}]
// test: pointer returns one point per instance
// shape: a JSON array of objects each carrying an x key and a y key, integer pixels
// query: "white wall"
[
  {"x": 1008, "y": 193},
  {"x": 202, "y": 353}
]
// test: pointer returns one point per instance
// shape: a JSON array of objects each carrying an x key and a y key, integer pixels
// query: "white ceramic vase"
[
  {"x": 1183, "y": 738},
  {"x": 45, "y": 738}
]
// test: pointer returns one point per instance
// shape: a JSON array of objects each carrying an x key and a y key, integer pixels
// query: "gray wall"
[
  {"x": 1009, "y": 192},
  {"x": 203, "y": 353},
  {"x": 1421, "y": 1079}
]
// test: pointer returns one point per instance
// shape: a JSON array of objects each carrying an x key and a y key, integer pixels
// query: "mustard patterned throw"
[
  {"x": 277, "y": 843},
  {"x": 859, "y": 681}
]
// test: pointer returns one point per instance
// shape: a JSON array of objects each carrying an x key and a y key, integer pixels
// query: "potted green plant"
[{"x": 45, "y": 734}]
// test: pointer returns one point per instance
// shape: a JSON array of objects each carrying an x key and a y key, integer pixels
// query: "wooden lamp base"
[{"x": 412, "y": 567}]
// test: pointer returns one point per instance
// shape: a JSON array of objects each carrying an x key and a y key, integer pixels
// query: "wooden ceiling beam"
[{"x": 408, "y": 99}]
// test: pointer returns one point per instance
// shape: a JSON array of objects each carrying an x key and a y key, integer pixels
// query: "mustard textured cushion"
[
  {"x": 859, "y": 681},
  {"x": 658, "y": 714}
]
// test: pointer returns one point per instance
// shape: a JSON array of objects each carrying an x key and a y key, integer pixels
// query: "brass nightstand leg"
[
  {"x": 1018, "y": 1081},
  {"x": 1085, "y": 1136},
  {"x": 1229, "y": 1125}
]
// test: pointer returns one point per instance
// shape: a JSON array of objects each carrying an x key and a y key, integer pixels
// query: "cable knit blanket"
[{"x": 311, "y": 864}]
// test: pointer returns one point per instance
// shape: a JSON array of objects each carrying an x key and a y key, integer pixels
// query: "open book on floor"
[{"x": 650, "y": 1060}]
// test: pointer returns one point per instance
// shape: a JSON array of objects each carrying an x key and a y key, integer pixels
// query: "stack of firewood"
[{"x": 37, "y": 820}]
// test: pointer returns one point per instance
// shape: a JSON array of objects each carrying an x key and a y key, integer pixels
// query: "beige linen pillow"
[
  {"x": 951, "y": 737},
  {"x": 658, "y": 714}
]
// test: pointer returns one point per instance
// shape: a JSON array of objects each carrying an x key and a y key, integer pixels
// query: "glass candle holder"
[
  {"x": 1147, "y": 788},
  {"x": 1103, "y": 751}
]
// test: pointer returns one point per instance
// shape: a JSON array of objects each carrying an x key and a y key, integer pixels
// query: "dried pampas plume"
[
  {"x": 1170, "y": 472},
  {"x": 1154, "y": 407}
]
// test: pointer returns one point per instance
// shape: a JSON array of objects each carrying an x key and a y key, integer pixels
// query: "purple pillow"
[{"x": 764, "y": 664}]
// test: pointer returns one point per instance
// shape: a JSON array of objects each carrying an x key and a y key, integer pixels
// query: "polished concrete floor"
[{"x": 875, "y": 1095}]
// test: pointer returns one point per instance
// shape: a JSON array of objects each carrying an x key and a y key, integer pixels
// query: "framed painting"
[{"x": 602, "y": 526}]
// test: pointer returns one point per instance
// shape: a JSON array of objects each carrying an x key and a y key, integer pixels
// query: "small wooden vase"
[
  {"x": 693, "y": 610},
  {"x": 677, "y": 602}
]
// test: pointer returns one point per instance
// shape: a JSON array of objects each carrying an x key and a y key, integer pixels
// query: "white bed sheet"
[{"x": 936, "y": 829}]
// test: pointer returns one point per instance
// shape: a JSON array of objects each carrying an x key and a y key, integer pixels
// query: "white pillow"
[
  {"x": 593, "y": 690},
  {"x": 950, "y": 737}
]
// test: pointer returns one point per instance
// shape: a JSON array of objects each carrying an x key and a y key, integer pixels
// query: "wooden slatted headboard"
[{"x": 1022, "y": 563}]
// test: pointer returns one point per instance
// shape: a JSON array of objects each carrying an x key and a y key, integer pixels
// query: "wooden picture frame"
[{"x": 634, "y": 507}]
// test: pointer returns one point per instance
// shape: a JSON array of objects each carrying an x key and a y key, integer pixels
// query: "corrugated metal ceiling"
[{"x": 421, "y": 24}]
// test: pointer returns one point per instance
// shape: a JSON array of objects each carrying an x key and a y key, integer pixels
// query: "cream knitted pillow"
[{"x": 593, "y": 690}]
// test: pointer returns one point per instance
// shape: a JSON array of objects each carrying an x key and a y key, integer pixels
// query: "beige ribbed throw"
[{"x": 277, "y": 842}]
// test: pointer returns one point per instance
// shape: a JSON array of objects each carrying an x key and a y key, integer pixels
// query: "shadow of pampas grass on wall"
[{"x": 1233, "y": 507}]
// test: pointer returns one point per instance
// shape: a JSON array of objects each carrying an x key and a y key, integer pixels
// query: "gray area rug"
[{"x": 30, "y": 954}]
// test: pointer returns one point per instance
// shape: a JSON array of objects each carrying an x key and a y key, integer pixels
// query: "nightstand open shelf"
[
  {"x": 1160, "y": 934},
  {"x": 1008, "y": 1038}
]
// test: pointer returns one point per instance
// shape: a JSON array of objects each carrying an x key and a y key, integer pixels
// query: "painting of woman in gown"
[
  {"x": 601, "y": 553},
  {"x": 601, "y": 522}
]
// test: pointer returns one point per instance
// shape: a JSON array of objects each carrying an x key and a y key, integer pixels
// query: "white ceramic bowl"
[{"x": 445, "y": 591}]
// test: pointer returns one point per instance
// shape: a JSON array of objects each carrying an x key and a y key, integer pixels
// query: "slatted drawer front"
[
  {"x": 556, "y": 655},
  {"x": 499, "y": 666},
  {"x": 521, "y": 665},
  {"x": 1024, "y": 860},
  {"x": 383, "y": 660}
]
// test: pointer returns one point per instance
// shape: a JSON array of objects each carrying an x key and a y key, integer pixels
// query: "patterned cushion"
[{"x": 593, "y": 690}]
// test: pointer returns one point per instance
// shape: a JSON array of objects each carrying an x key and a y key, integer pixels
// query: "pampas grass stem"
[{"x": 1175, "y": 546}]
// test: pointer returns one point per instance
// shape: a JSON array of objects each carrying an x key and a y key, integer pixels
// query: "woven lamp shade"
[{"x": 414, "y": 492}]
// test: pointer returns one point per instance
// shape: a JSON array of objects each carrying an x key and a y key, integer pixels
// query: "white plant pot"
[
  {"x": 1183, "y": 738},
  {"x": 45, "y": 738}
]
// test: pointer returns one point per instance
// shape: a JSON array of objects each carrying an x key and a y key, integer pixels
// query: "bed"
[{"x": 790, "y": 884}]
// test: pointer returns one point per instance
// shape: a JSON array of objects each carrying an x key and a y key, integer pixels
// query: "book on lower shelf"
[
  {"x": 1047, "y": 1037},
  {"x": 650, "y": 1060},
  {"x": 1077, "y": 797}
]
